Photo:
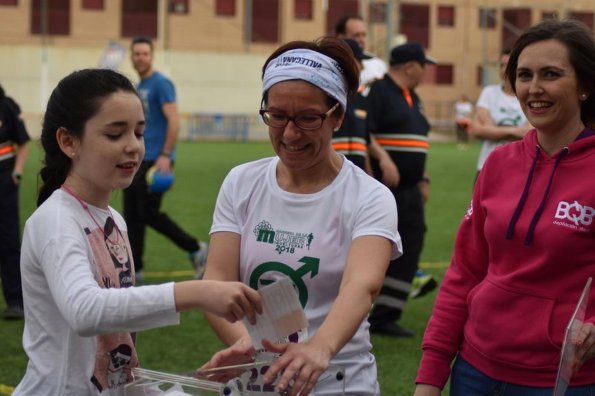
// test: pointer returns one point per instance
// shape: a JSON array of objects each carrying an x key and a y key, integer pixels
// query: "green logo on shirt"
[
  {"x": 285, "y": 241},
  {"x": 311, "y": 265}
]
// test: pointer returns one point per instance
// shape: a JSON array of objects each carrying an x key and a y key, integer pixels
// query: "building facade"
[{"x": 214, "y": 49}]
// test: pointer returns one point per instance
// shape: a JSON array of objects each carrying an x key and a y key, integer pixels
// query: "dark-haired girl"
[{"x": 78, "y": 306}]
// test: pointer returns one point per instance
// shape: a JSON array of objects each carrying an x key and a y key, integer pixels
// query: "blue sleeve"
[{"x": 167, "y": 92}]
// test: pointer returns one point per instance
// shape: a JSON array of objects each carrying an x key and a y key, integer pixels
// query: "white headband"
[{"x": 310, "y": 66}]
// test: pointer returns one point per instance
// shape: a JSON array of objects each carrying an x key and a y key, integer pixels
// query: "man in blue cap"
[{"x": 397, "y": 123}]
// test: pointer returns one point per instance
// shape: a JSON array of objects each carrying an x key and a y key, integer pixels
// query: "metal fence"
[
  {"x": 245, "y": 127},
  {"x": 441, "y": 115},
  {"x": 236, "y": 127}
]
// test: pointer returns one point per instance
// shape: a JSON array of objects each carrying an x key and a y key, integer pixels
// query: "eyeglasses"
[{"x": 306, "y": 122}]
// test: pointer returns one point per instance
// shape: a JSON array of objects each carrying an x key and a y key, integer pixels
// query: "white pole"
[
  {"x": 248, "y": 25},
  {"x": 392, "y": 25},
  {"x": 163, "y": 34},
  {"x": 484, "y": 44},
  {"x": 44, "y": 67}
]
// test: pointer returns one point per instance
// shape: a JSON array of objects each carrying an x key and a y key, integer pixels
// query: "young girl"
[{"x": 80, "y": 306}]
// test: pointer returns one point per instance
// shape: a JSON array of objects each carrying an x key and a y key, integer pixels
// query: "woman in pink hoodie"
[{"x": 526, "y": 245}]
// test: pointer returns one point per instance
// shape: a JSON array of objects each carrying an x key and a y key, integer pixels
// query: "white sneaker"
[{"x": 199, "y": 260}]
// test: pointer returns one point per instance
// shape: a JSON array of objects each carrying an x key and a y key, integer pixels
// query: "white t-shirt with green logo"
[
  {"x": 504, "y": 109},
  {"x": 305, "y": 236}
]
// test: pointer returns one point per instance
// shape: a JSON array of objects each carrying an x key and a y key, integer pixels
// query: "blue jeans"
[{"x": 466, "y": 380}]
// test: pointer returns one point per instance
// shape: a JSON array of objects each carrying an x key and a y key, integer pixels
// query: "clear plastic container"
[{"x": 155, "y": 383}]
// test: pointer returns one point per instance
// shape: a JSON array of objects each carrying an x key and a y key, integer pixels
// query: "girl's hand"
[
  {"x": 239, "y": 353},
  {"x": 300, "y": 364},
  {"x": 230, "y": 300}
]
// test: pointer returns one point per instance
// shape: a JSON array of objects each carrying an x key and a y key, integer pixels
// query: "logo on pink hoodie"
[{"x": 574, "y": 215}]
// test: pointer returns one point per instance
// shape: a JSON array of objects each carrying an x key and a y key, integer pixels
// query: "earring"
[
  {"x": 584, "y": 96},
  {"x": 335, "y": 129}
]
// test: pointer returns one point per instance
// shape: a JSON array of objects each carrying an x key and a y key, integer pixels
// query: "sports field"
[{"x": 199, "y": 172}]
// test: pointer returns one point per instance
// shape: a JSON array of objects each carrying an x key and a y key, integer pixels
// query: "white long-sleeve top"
[{"x": 80, "y": 308}]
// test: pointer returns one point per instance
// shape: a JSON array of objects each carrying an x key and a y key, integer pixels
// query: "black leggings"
[{"x": 142, "y": 208}]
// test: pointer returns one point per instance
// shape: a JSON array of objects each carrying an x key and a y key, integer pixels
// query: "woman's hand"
[
  {"x": 239, "y": 353},
  {"x": 585, "y": 344},
  {"x": 300, "y": 366},
  {"x": 426, "y": 390}
]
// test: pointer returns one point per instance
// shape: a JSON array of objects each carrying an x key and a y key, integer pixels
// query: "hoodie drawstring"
[
  {"x": 523, "y": 199},
  {"x": 537, "y": 215}
]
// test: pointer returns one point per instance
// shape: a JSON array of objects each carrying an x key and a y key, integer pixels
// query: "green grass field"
[{"x": 199, "y": 172}]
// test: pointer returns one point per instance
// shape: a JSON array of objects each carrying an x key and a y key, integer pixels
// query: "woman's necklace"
[{"x": 86, "y": 208}]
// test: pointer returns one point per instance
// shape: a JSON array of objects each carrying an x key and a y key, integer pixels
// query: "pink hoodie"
[{"x": 523, "y": 253}]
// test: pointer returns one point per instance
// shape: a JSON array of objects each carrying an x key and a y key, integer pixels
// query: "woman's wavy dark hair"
[{"x": 75, "y": 100}]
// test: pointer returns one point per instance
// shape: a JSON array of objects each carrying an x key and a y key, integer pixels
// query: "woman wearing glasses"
[{"x": 310, "y": 215}]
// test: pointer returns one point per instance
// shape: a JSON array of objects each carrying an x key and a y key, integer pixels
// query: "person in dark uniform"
[
  {"x": 13, "y": 155},
  {"x": 352, "y": 137},
  {"x": 397, "y": 123}
]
